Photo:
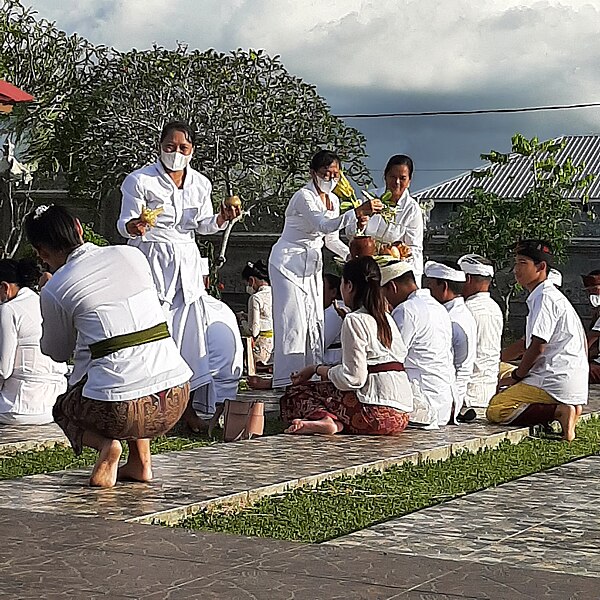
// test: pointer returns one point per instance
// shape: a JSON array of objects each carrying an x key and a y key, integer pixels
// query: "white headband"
[
  {"x": 393, "y": 271},
  {"x": 555, "y": 277},
  {"x": 437, "y": 270},
  {"x": 471, "y": 265}
]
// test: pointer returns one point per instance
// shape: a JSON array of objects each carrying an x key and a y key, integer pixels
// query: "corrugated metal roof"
[{"x": 512, "y": 180}]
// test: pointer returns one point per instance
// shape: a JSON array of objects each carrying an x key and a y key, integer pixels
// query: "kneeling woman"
[{"x": 369, "y": 392}]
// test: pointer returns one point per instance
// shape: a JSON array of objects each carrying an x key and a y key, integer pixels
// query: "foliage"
[
  {"x": 340, "y": 506},
  {"x": 257, "y": 125},
  {"x": 490, "y": 225},
  {"x": 89, "y": 235}
]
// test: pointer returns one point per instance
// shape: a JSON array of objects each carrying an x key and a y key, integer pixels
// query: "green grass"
[
  {"x": 58, "y": 458},
  {"x": 340, "y": 506}
]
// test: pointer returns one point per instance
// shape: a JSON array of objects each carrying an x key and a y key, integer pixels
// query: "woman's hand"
[
  {"x": 303, "y": 376},
  {"x": 368, "y": 208},
  {"x": 45, "y": 277},
  {"x": 136, "y": 227},
  {"x": 504, "y": 383}
]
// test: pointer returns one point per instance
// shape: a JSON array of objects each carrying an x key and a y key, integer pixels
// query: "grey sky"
[{"x": 370, "y": 56}]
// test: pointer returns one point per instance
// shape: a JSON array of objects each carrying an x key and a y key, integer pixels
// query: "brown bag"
[{"x": 243, "y": 420}]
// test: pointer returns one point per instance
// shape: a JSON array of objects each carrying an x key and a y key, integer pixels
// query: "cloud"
[{"x": 391, "y": 55}]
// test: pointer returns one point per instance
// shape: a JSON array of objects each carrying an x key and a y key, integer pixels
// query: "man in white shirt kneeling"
[
  {"x": 426, "y": 330},
  {"x": 551, "y": 382},
  {"x": 488, "y": 317}
]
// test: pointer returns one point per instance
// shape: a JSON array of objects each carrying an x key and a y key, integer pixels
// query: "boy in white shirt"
[
  {"x": 446, "y": 284},
  {"x": 426, "y": 330},
  {"x": 479, "y": 272},
  {"x": 551, "y": 382}
]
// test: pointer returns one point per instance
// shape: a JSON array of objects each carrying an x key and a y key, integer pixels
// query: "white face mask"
[
  {"x": 326, "y": 186},
  {"x": 250, "y": 290},
  {"x": 595, "y": 300},
  {"x": 175, "y": 161}
]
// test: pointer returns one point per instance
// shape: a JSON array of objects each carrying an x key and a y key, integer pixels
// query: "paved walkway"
[{"x": 461, "y": 549}]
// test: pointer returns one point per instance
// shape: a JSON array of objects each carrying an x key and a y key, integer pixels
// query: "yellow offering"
[{"x": 149, "y": 216}]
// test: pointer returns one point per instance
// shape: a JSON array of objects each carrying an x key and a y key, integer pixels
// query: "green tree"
[
  {"x": 257, "y": 124},
  {"x": 490, "y": 224},
  {"x": 49, "y": 64}
]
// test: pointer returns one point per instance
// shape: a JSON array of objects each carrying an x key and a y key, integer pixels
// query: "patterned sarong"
[
  {"x": 321, "y": 399},
  {"x": 145, "y": 417}
]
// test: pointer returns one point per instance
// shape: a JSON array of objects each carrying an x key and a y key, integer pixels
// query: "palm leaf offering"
[{"x": 149, "y": 216}]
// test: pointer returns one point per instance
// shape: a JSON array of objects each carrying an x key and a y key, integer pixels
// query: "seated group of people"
[{"x": 440, "y": 348}]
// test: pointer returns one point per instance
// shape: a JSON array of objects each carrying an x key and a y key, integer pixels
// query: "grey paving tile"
[
  {"x": 357, "y": 565},
  {"x": 253, "y": 584},
  {"x": 494, "y": 582},
  {"x": 28, "y": 437}
]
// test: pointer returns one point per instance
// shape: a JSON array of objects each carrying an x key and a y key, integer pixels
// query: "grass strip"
[
  {"x": 59, "y": 457},
  {"x": 346, "y": 504}
]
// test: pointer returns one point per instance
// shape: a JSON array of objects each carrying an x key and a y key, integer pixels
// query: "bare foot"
[
  {"x": 104, "y": 473},
  {"x": 256, "y": 382},
  {"x": 135, "y": 472},
  {"x": 567, "y": 417},
  {"x": 326, "y": 426}
]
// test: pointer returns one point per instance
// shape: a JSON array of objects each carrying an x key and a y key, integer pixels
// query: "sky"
[{"x": 374, "y": 56}]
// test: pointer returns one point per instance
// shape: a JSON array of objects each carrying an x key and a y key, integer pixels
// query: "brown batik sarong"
[
  {"x": 317, "y": 400},
  {"x": 145, "y": 417}
]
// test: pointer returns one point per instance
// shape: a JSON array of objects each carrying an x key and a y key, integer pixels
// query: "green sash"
[{"x": 128, "y": 340}]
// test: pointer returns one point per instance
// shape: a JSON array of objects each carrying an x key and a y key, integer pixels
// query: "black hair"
[
  {"x": 334, "y": 281},
  {"x": 53, "y": 227},
  {"x": 257, "y": 269},
  {"x": 537, "y": 250},
  {"x": 400, "y": 159},
  {"x": 365, "y": 277},
  {"x": 456, "y": 287},
  {"x": 24, "y": 272},
  {"x": 182, "y": 126},
  {"x": 324, "y": 158}
]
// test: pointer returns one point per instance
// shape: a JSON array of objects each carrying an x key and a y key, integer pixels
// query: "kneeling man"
[
  {"x": 130, "y": 382},
  {"x": 551, "y": 382}
]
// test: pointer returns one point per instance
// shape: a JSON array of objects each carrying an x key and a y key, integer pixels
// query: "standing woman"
[
  {"x": 407, "y": 226},
  {"x": 369, "y": 392},
  {"x": 183, "y": 194},
  {"x": 30, "y": 381},
  {"x": 312, "y": 219}
]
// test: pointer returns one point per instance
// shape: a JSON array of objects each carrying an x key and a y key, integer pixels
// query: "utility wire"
[{"x": 483, "y": 111}]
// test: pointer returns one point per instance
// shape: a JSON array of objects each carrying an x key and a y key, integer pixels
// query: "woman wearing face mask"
[
  {"x": 260, "y": 311},
  {"x": 30, "y": 382},
  {"x": 407, "y": 225},
  {"x": 312, "y": 219},
  {"x": 183, "y": 194}
]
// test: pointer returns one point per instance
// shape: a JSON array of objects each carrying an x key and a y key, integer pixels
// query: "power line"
[{"x": 482, "y": 111}]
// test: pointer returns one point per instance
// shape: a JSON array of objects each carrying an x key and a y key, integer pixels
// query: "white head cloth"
[
  {"x": 393, "y": 270},
  {"x": 438, "y": 270},
  {"x": 471, "y": 265},
  {"x": 555, "y": 277}
]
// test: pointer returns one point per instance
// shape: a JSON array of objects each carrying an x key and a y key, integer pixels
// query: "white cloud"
[{"x": 406, "y": 46}]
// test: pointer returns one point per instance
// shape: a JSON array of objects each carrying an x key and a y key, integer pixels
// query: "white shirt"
[
  {"x": 407, "y": 227},
  {"x": 308, "y": 226},
  {"x": 170, "y": 245},
  {"x": 100, "y": 293},
  {"x": 361, "y": 347},
  {"x": 426, "y": 329},
  {"x": 29, "y": 381},
  {"x": 490, "y": 323},
  {"x": 464, "y": 344},
  {"x": 562, "y": 369},
  {"x": 332, "y": 329},
  {"x": 260, "y": 311}
]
